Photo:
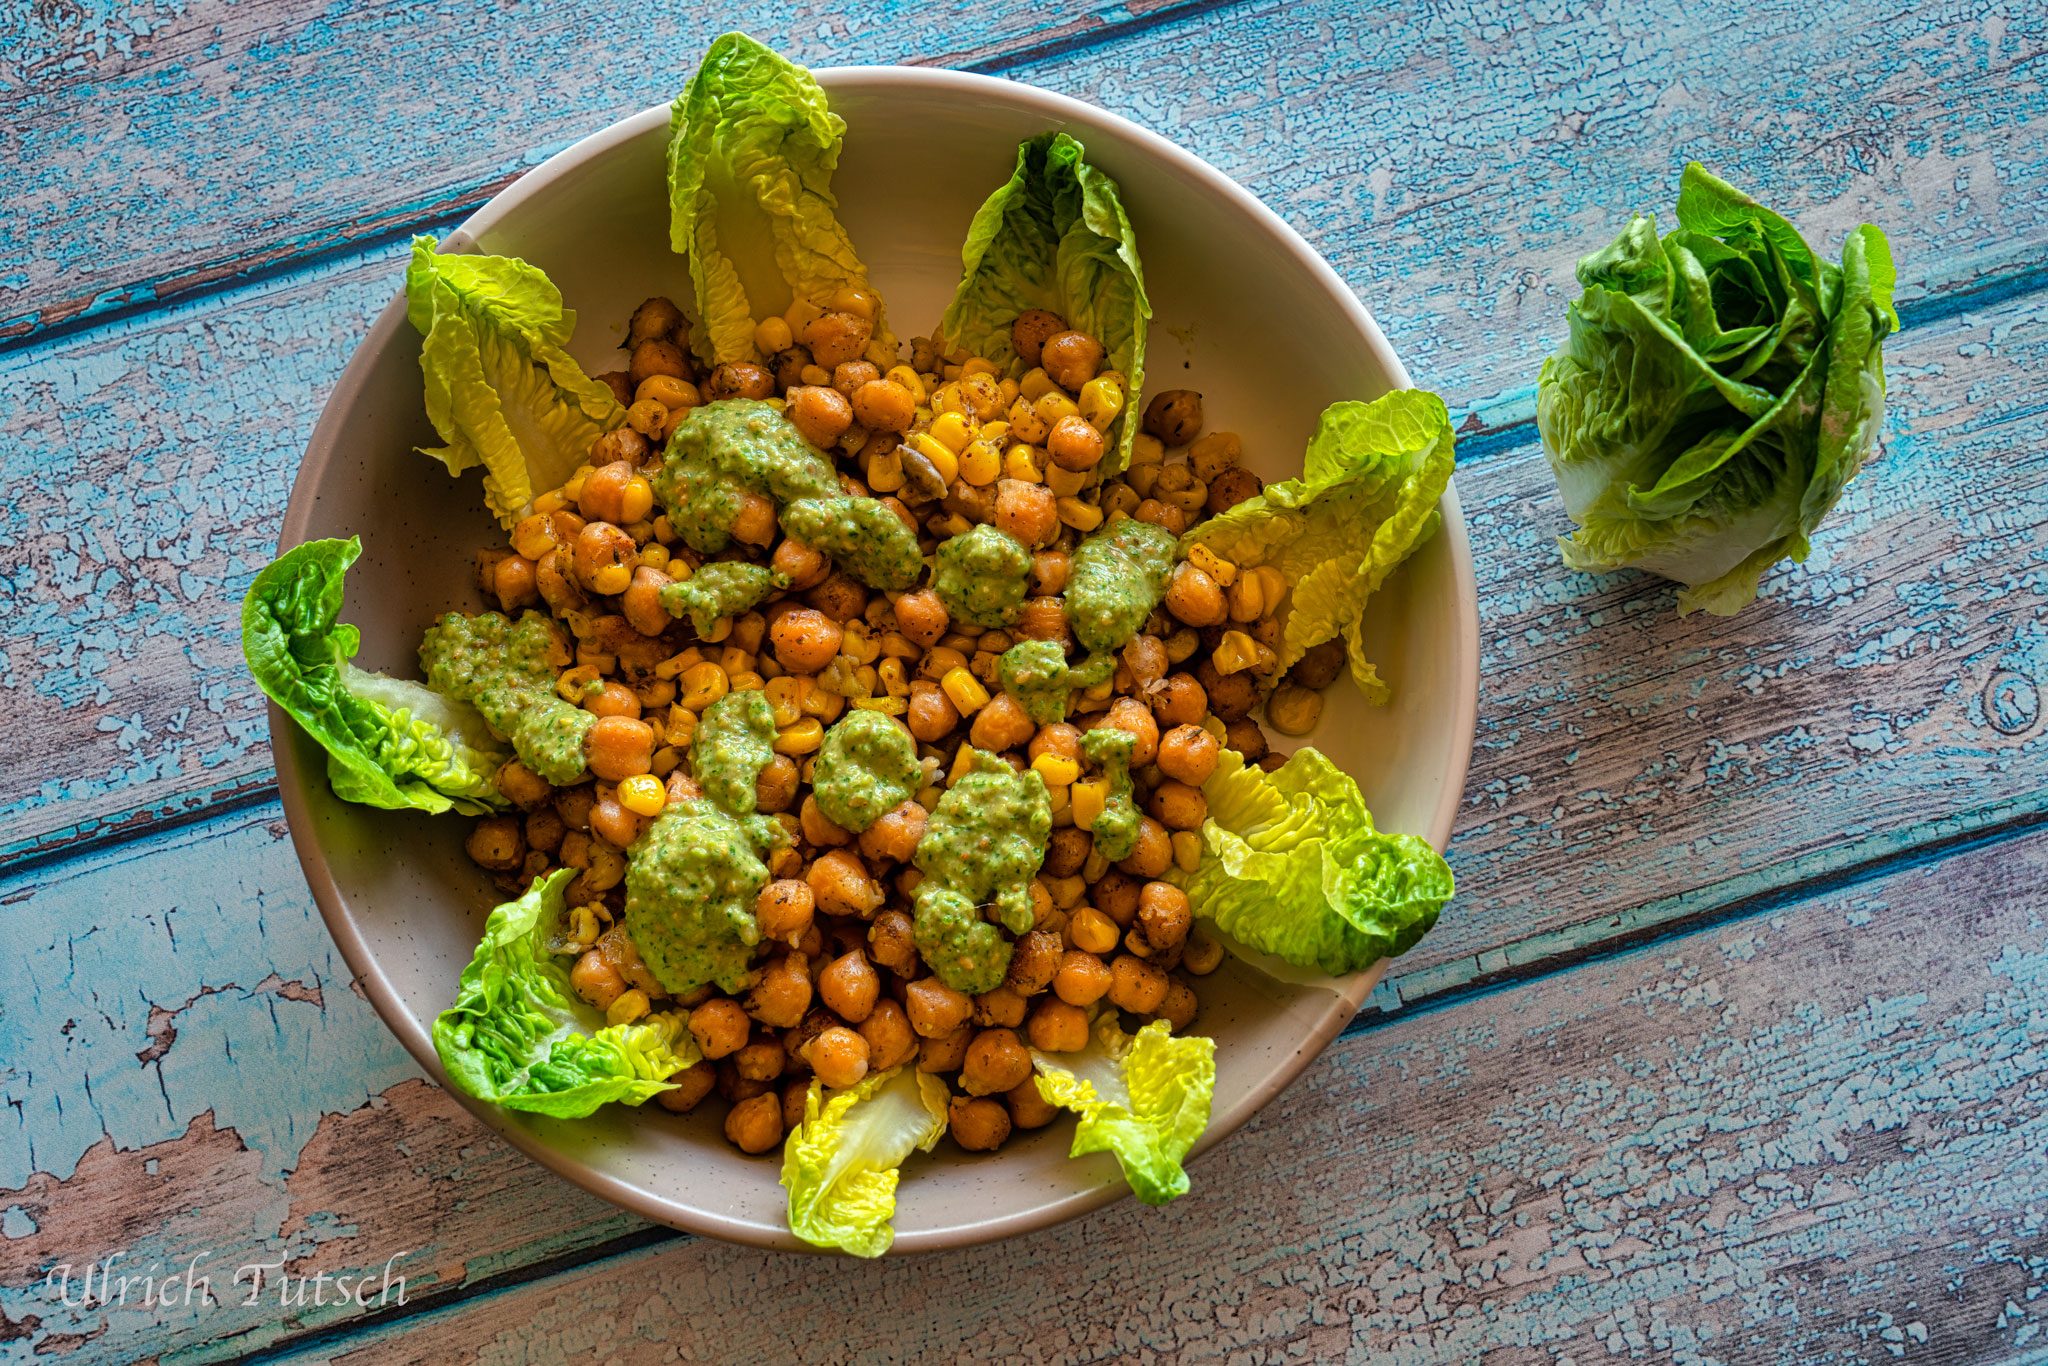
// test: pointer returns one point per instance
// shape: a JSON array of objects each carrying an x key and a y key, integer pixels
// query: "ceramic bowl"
[{"x": 1246, "y": 312}]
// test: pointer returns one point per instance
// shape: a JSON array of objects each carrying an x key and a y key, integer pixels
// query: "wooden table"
[{"x": 1734, "y": 1046}]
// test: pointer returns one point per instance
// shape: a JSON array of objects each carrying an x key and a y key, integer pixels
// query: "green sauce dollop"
[
  {"x": 729, "y": 448},
  {"x": 866, "y": 768},
  {"x": 723, "y": 588},
  {"x": 735, "y": 740},
  {"x": 1037, "y": 674},
  {"x": 1116, "y": 829},
  {"x": 691, "y": 882},
  {"x": 984, "y": 842},
  {"x": 861, "y": 536},
  {"x": 982, "y": 575},
  {"x": 1119, "y": 575},
  {"x": 502, "y": 669}
]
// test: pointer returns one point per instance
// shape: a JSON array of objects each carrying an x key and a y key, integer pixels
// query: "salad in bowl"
[{"x": 879, "y": 738}]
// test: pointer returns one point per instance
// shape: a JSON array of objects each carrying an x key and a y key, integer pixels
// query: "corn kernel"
[
  {"x": 720, "y": 629},
  {"x": 952, "y": 431},
  {"x": 1187, "y": 850},
  {"x": 549, "y": 503},
  {"x": 703, "y": 684},
  {"x": 1095, "y": 697},
  {"x": 681, "y": 726},
  {"x": 575, "y": 684},
  {"x": 894, "y": 680},
  {"x": 951, "y": 525},
  {"x": 1212, "y": 564},
  {"x": 855, "y": 300},
  {"x": 1237, "y": 652},
  {"x": 1089, "y": 798},
  {"x": 1051, "y": 407},
  {"x": 1057, "y": 769},
  {"x": 1102, "y": 398},
  {"x": 947, "y": 398},
  {"x": 1019, "y": 464},
  {"x": 628, "y": 1007},
  {"x": 772, "y": 335},
  {"x": 748, "y": 682},
  {"x": 885, "y": 470},
  {"x": 800, "y": 314},
  {"x": 995, "y": 432},
  {"x": 666, "y": 758},
  {"x": 582, "y": 926},
  {"x": 965, "y": 690},
  {"x": 643, "y": 795},
  {"x": 1025, "y": 424},
  {"x": 824, "y": 705},
  {"x": 983, "y": 396},
  {"x": 1066, "y": 483},
  {"x": 654, "y": 555},
  {"x": 909, "y": 379},
  {"x": 676, "y": 664},
  {"x": 785, "y": 700},
  {"x": 1035, "y": 384},
  {"x": 940, "y": 454},
  {"x": 963, "y": 764},
  {"x": 534, "y": 536},
  {"x": 977, "y": 366},
  {"x": 816, "y": 375},
  {"x": 1078, "y": 515},
  {"x": 802, "y": 738},
  {"x": 888, "y": 706},
  {"x": 734, "y": 660},
  {"x": 1147, "y": 449},
  {"x": 980, "y": 463},
  {"x": 1060, "y": 799},
  {"x": 896, "y": 645}
]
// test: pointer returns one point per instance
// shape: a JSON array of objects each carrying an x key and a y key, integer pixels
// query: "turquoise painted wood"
[{"x": 1809, "y": 1127}]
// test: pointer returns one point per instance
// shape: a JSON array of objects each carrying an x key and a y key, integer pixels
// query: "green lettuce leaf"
[
  {"x": 1055, "y": 236},
  {"x": 390, "y": 743},
  {"x": 501, "y": 391},
  {"x": 518, "y": 1035},
  {"x": 1292, "y": 866},
  {"x": 840, "y": 1165},
  {"x": 1366, "y": 498},
  {"x": 1718, "y": 389},
  {"x": 1144, "y": 1097},
  {"x": 751, "y": 151}
]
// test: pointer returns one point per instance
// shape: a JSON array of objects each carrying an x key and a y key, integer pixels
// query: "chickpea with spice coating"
[
  {"x": 1135, "y": 985},
  {"x": 848, "y": 377},
  {"x": 611, "y": 822},
  {"x": 1033, "y": 328},
  {"x": 839, "y": 1056},
  {"x": 1002, "y": 724},
  {"x": 894, "y": 835},
  {"x": 657, "y": 356},
  {"x": 619, "y": 747},
  {"x": 740, "y": 379},
  {"x": 720, "y": 1027},
  {"x": 1177, "y": 806},
  {"x": 688, "y": 1088},
  {"x": 1071, "y": 359},
  {"x": 1178, "y": 1009},
  {"x": 936, "y": 1009},
  {"x": 891, "y": 1041},
  {"x": 783, "y": 993},
  {"x": 1175, "y": 416},
  {"x": 996, "y": 1061},
  {"x": 513, "y": 583},
  {"x": 761, "y": 1060},
  {"x": 1033, "y": 961},
  {"x": 1231, "y": 696},
  {"x": 838, "y": 337},
  {"x": 978, "y": 1124},
  {"x": 1000, "y": 1006},
  {"x": 1244, "y": 736},
  {"x": 755, "y": 1124},
  {"x": 1028, "y": 1109},
  {"x": 496, "y": 843},
  {"x": 1058, "y": 1027},
  {"x": 1074, "y": 445},
  {"x": 892, "y": 942},
  {"x": 1153, "y": 853},
  {"x": 1134, "y": 719},
  {"x": 1231, "y": 487},
  {"x": 1195, "y": 598},
  {"x": 1028, "y": 513},
  {"x": 841, "y": 884},
  {"x": 1164, "y": 914},
  {"x": 1083, "y": 978},
  {"x": 821, "y": 414},
  {"x": 1188, "y": 754},
  {"x": 1293, "y": 709},
  {"x": 783, "y": 910},
  {"x": 883, "y": 405},
  {"x": 945, "y": 1053},
  {"x": 604, "y": 558},
  {"x": 775, "y": 789},
  {"x": 1067, "y": 850},
  {"x": 802, "y": 565},
  {"x": 1202, "y": 953},
  {"x": 921, "y": 617},
  {"x": 849, "y": 986},
  {"x": 931, "y": 714},
  {"x": 596, "y": 979},
  {"x": 805, "y": 640},
  {"x": 839, "y": 596},
  {"x": 654, "y": 318}
]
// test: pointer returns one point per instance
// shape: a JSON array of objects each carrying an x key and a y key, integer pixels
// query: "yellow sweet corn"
[
  {"x": 748, "y": 682},
  {"x": 1237, "y": 652},
  {"x": 534, "y": 536},
  {"x": 802, "y": 738},
  {"x": 1079, "y": 515},
  {"x": 1089, "y": 798},
  {"x": 1057, "y": 769},
  {"x": 965, "y": 690},
  {"x": 936, "y": 451},
  {"x": 1035, "y": 382},
  {"x": 980, "y": 463},
  {"x": 1066, "y": 483},
  {"x": 702, "y": 685},
  {"x": 896, "y": 645},
  {"x": 1187, "y": 850},
  {"x": 888, "y": 706},
  {"x": 1024, "y": 423},
  {"x": 734, "y": 660},
  {"x": 1102, "y": 398},
  {"x": 1212, "y": 564},
  {"x": 785, "y": 699},
  {"x": 1147, "y": 449},
  {"x": 1053, "y": 406},
  {"x": 947, "y": 398},
  {"x": 654, "y": 555},
  {"x": 963, "y": 764},
  {"x": 675, "y": 664},
  {"x": 885, "y": 470},
  {"x": 800, "y": 315},
  {"x": 952, "y": 431},
  {"x": 909, "y": 379},
  {"x": 855, "y": 300},
  {"x": 895, "y": 681},
  {"x": 1095, "y": 866},
  {"x": 1020, "y": 462},
  {"x": 575, "y": 684},
  {"x": 627, "y": 1007},
  {"x": 643, "y": 795},
  {"x": 977, "y": 366},
  {"x": 550, "y": 503}
]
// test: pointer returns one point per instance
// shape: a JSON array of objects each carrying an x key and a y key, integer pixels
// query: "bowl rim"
[{"x": 294, "y": 782}]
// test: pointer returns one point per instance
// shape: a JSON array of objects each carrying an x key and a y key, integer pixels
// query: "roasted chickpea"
[
  {"x": 1161, "y": 514},
  {"x": 1195, "y": 598},
  {"x": 619, "y": 747},
  {"x": 789, "y": 365},
  {"x": 805, "y": 639},
  {"x": 719, "y": 1026},
  {"x": 688, "y": 1088},
  {"x": 840, "y": 596},
  {"x": 1244, "y": 736},
  {"x": 838, "y": 337},
  {"x": 753, "y": 521},
  {"x": 945, "y": 1053},
  {"x": 1082, "y": 979},
  {"x": 1180, "y": 701},
  {"x": 795, "y": 1092},
  {"x": 820, "y": 413},
  {"x": 1178, "y": 1009},
  {"x": 1318, "y": 666},
  {"x": 892, "y": 942},
  {"x": 604, "y": 558},
  {"x": 761, "y": 1060},
  {"x": 513, "y": 583},
  {"x": 891, "y": 1042},
  {"x": 1153, "y": 853},
  {"x": 1074, "y": 445},
  {"x": 1293, "y": 709},
  {"x": 978, "y": 1124},
  {"x": 1202, "y": 953},
  {"x": 1058, "y": 1027},
  {"x": 553, "y": 578},
  {"x": 621, "y": 385},
  {"x": 1049, "y": 571},
  {"x": 1175, "y": 416},
  {"x": 817, "y": 828},
  {"x": 840, "y": 1057},
  {"x": 1177, "y": 806},
  {"x": 996, "y": 1061},
  {"x": 1003, "y": 724},
  {"x": 1135, "y": 985},
  {"x": 740, "y": 379},
  {"x": 1057, "y": 738},
  {"x": 655, "y": 318},
  {"x": 931, "y": 714},
  {"x": 641, "y": 605},
  {"x": 613, "y": 823},
  {"x": 1033, "y": 328},
  {"x": 1115, "y": 894},
  {"x": 596, "y": 979},
  {"x": 783, "y": 993},
  {"x": 1000, "y": 1006},
  {"x": 799, "y": 563},
  {"x": 1043, "y": 618},
  {"x": 574, "y": 804},
  {"x": 1033, "y": 961},
  {"x": 849, "y": 986},
  {"x": 1067, "y": 850},
  {"x": 895, "y": 834},
  {"x": 1231, "y": 696},
  {"x": 1164, "y": 914},
  {"x": 603, "y": 496},
  {"x": 521, "y": 786},
  {"x": 1231, "y": 487},
  {"x": 1071, "y": 359},
  {"x": 1188, "y": 754},
  {"x": 657, "y": 356},
  {"x": 841, "y": 884},
  {"x": 1134, "y": 719},
  {"x": 783, "y": 910},
  {"x": 883, "y": 405},
  {"x": 544, "y": 829},
  {"x": 612, "y": 699},
  {"x": 621, "y": 445},
  {"x": 1027, "y": 512},
  {"x": 935, "y": 1009},
  {"x": 775, "y": 789}
]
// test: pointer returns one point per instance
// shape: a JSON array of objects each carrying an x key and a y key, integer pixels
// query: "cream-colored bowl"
[{"x": 1246, "y": 312}]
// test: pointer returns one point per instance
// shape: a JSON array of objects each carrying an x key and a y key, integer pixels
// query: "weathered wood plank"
[
  {"x": 190, "y": 1073},
  {"x": 1813, "y": 1136},
  {"x": 226, "y": 138}
]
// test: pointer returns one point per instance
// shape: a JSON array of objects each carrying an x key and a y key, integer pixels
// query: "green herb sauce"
[
  {"x": 503, "y": 670},
  {"x": 726, "y": 449},
  {"x": 861, "y": 536},
  {"x": 1116, "y": 829},
  {"x": 691, "y": 881},
  {"x": 982, "y": 575},
  {"x": 866, "y": 768},
  {"x": 1037, "y": 674},
  {"x": 983, "y": 844},
  {"x": 735, "y": 740},
  {"x": 723, "y": 588},
  {"x": 1119, "y": 575}
]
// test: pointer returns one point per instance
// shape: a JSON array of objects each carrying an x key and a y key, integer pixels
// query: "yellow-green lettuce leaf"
[
  {"x": 1143, "y": 1097},
  {"x": 840, "y": 1166}
]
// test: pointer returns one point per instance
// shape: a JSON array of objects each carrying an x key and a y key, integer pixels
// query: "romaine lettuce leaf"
[
  {"x": 1366, "y": 498},
  {"x": 751, "y": 150},
  {"x": 1055, "y": 236},
  {"x": 390, "y": 743},
  {"x": 1718, "y": 389},
  {"x": 518, "y": 1035},
  {"x": 501, "y": 391},
  {"x": 1144, "y": 1097},
  {"x": 1292, "y": 866},
  {"x": 840, "y": 1166}
]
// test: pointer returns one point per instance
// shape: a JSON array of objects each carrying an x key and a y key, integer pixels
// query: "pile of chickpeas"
[{"x": 948, "y": 442}]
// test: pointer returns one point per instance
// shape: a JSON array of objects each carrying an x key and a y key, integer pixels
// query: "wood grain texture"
[
  {"x": 227, "y": 137},
  {"x": 1814, "y": 1136}
]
